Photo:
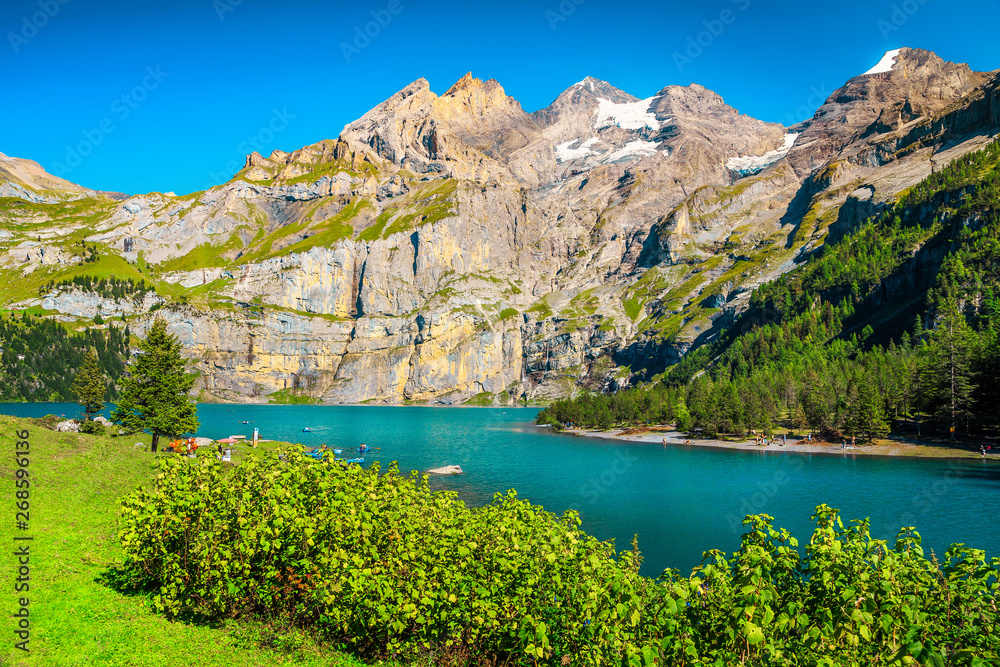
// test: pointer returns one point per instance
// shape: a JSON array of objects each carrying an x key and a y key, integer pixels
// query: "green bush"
[
  {"x": 379, "y": 563},
  {"x": 91, "y": 427}
]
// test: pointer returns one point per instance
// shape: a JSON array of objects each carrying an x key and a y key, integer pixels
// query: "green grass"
[
  {"x": 203, "y": 256},
  {"x": 483, "y": 399},
  {"x": 77, "y": 483},
  {"x": 328, "y": 232},
  {"x": 292, "y": 397},
  {"x": 15, "y": 286}
]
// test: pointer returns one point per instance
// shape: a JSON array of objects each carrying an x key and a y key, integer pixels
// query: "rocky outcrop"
[{"x": 446, "y": 470}]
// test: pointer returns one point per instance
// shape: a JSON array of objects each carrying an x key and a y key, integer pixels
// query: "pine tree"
[
  {"x": 946, "y": 375},
  {"x": 866, "y": 413},
  {"x": 154, "y": 395},
  {"x": 89, "y": 386}
]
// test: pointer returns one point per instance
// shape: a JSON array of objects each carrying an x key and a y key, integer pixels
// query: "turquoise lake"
[{"x": 680, "y": 501}]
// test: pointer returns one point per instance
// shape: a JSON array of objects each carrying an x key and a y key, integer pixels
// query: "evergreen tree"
[
  {"x": 89, "y": 386},
  {"x": 946, "y": 376},
  {"x": 154, "y": 396},
  {"x": 866, "y": 414}
]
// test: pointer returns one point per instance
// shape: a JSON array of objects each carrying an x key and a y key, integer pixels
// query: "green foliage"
[
  {"x": 89, "y": 386},
  {"x": 90, "y": 427},
  {"x": 946, "y": 369},
  {"x": 380, "y": 563},
  {"x": 39, "y": 357},
  {"x": 292, "y": 397},
  {"x": 154, "y": 396}
]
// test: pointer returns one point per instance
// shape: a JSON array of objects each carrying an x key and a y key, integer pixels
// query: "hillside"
[
  {"x": 893, "y": 326},
  {"x": 456, "y": 247}
]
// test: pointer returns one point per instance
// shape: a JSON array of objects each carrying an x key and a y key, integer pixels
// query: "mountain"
[
  {"x": 27, "y": 180},
  {"x": 456, "y": 247}
]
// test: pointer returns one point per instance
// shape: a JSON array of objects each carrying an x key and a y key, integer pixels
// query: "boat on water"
[
  {"x": 354, "y": 461},
  {"x": 307, "y": 430}
]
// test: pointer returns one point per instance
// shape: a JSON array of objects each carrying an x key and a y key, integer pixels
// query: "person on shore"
[
  {"x": 854, "y": 442},
  {"x": 784, "y": 439},
  {"x": 843, "y": 445}
]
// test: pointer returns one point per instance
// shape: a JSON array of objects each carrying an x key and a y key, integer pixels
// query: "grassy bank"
[{"x": 77, "y": 483}]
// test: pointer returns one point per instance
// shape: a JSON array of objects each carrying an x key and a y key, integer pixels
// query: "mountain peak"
[
  {"x": 886, "y": 64},
  {"x": 470, "y": 83},
  {"x": 467, "y": 81},
  {"x": 594, "y": 87}
]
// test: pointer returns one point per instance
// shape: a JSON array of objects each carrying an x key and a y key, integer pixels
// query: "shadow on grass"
[{"x": 131, "y": 582}]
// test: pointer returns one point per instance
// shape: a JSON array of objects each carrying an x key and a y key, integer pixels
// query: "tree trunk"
[
  {"x": 951, "y": 359},
  {"x": 156, "y": 439}
]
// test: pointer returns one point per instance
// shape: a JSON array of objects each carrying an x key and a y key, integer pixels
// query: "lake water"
[{"x": 680, "y": 501}]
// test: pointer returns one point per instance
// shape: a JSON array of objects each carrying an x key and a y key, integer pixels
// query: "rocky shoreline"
[{"x": 886, "y": 447}]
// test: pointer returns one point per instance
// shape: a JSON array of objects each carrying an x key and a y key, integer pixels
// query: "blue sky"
[{"x": 170, "y": 96}]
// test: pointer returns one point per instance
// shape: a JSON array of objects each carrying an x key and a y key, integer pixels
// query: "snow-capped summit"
[
  {"x": 886, "y": 64},
  {"x": 628, "y": 116}
]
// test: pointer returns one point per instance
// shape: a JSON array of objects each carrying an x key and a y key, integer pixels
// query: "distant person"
[{"x": 843, "y": 445}]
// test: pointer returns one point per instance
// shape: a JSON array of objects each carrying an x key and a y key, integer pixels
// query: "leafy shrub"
[
  {"x": 381, "y": 564},
  {"x": 91, "y": 427}
]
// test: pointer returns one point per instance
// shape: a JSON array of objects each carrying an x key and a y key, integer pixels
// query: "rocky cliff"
[{"x": 455, "y": 247}]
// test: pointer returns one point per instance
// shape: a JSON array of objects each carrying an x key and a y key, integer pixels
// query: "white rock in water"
[{"x": 447, "y": 470}]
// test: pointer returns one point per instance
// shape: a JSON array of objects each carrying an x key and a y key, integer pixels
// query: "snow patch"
[
  {"x": 565, "y": 152},
  {"x": 628, "y": 116},
  {"x": 886, "y": 64},
  {"x": 588, "y": 82},
  {"x": 751, "y": 164},
  {"x": 638, "y": 149}
]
